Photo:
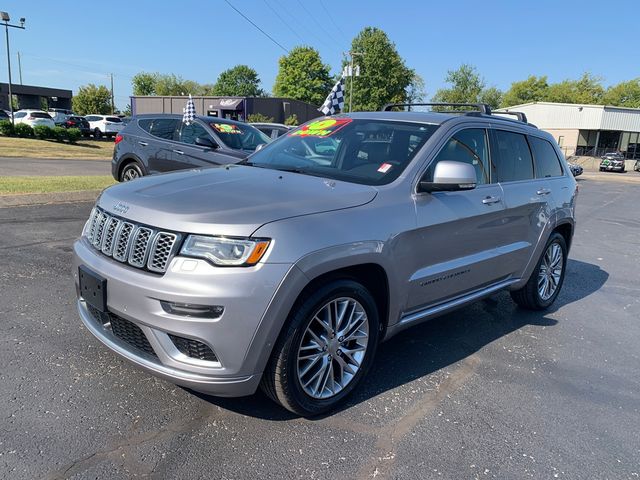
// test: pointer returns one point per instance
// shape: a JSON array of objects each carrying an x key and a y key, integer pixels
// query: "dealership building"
[
  {"x": 590, "y": 130},
  {"x": 235, "y": 108},
  {"x": 31, "y": 96}
]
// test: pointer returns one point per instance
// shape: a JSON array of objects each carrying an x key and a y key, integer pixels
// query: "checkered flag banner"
[
  {"x": 189, "y": 114},
  {"x": 335, "y": 99}
]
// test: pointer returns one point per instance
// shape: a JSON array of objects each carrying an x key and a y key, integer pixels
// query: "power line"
[
  {"x": 318, "y": 23},
  {"x": 312, "y": 32},
  {"x": 283, "y": 21},
  {"x": 249, "y": 20},
  {"x": 333, "y": 21}
]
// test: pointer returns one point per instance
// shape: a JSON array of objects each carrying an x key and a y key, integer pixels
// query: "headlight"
[{"x": 225, "y": 251}]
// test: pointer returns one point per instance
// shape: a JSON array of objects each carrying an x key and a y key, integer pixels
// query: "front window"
[
  {"x": 371, "y": 152},
  {"x": 239, "y": 137}
]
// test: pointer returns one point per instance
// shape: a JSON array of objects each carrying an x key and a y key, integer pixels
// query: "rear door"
[
  {"x": 528, "y": 200},
  {"x": 158, "y": 146}
]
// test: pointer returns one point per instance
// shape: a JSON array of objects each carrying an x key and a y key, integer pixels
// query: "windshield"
[
  {"x": 239, "y": 137},
  {"x": 371, "y": 152}
]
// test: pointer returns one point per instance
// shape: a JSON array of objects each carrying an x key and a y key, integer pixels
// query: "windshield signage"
[{"x": 321, "y": 128}]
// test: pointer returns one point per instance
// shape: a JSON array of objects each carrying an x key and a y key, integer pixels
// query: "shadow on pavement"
[{"x": 438, "y": 343}]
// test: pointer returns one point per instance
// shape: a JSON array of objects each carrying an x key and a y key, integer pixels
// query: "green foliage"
[
  {"x": 44, "y": 104},
  {"x": 533, "y": 89},
  {"x": 467, "y": 86},
  {"x": 92, "y": 99},
  {"x": 127, "y": 110},
  {"x": 291, "y": 120},
  {"x": 415, "y": 92},
  {"x": 384, "y": 77},
  {"x": 43, "y": 132},
  {"x": 303, "y": 76},
  {"x": 23, "y": 130},
  {"x": 6, "y": 128},
  {"x": 240, "y": 81},
  {"x": 73, "y": 135},
  {"x": 59, "y": 134},
  {"x": 144, "y": 83},
  {"x": 587, "y": 89},
  {"x": 259, "y": 118},
  {"x": 624, "y": 94}
]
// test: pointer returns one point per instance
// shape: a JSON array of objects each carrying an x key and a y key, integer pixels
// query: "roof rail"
[
  {"x": 481, "y": 107},
  {"x": 521, "y": 116}
]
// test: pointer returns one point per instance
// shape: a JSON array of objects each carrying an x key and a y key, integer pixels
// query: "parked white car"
[
  {"x": 33, "y": 118},
  {"x": 107, "y": 125}
]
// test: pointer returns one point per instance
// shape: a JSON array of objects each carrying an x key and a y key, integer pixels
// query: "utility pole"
[
  {"x": 20, "y": 68},
  {"x": 4, "y": 16},
  {"x": 352, "y": 74},
  {"x": 113, "y": 108}
]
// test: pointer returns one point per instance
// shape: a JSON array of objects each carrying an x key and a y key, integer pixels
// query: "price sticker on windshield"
[
  {"x": 226, "y": 128},
  {"x": 321, "y": 128}
]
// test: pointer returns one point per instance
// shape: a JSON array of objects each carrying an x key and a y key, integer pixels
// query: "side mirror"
[
  {"x": 450, "y": 176},
  {"x": 206, "y": 142},
  {"x": 260, "y": 147}
]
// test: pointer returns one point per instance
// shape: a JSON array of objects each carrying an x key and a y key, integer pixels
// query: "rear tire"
[
  {"x": 97, "y": 134},
  {"x": 313, "y": 368},
  {"x": 547, "y": 277},
  {"x": 130, "y": 171}
]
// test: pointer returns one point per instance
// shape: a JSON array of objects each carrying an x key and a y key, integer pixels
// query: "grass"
[
  {"x": 33, "y": 148},
  {"x": 20, "y": 185}
]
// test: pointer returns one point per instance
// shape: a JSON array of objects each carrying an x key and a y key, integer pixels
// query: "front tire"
[
  {"x": 324, "y": 350},
  {"x": 97, "y": 134},
  {"x": 546, "y": 280}
]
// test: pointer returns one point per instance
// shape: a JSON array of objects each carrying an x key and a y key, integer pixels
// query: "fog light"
[{"x": 192, "y": 310}]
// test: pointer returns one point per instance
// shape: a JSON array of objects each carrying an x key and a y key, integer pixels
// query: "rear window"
[
  {"x": 547, "y": 161},
  {"x": 40, "y": 115},
  {"x": 512, "y": 161},
  {"x": 113, "y": 119}
]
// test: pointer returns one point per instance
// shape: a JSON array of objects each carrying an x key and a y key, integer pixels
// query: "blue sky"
[{"x": 70, "y": 43}]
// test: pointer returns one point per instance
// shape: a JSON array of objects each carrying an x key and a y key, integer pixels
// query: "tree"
[
  {"x": 467, "y": 86},
  {"x": 384, "y": 77},
  {"x": 303, "y": 76},
  {"x": 588, "y": 89},
  {"x": 144, "y": 83},
  {"x": 92, "y": 99},
  {"x": 624, "y": 94},
  {"x": 240, "y": 81},
  {"x": 415, "y": 92},
  {"x": 533, "y": 89},
  {"x": 492, "y": 96}
]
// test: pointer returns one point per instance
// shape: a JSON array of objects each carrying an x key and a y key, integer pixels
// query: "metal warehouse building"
[
  {"x": 590, "y": 130},
  {"x": 236, "y": 108}
]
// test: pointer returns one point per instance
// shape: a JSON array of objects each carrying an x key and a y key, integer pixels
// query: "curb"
[{"x": 26, "y": 199}]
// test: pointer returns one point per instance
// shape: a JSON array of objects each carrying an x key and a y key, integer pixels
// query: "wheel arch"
[{"x": 126, "y": 160}]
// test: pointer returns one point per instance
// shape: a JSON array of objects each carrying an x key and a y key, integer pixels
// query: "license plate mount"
[{"x": 93, "y": 288}]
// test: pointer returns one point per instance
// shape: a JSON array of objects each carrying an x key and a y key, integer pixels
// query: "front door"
[
  {"x": 196, "y": 156},
  {"x": 459, "y": 244}
]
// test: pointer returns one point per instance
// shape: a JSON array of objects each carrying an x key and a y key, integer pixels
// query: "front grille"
[
  {"x": 125, "y": 330},
  {"x": 193, "y": 348},
  {"x": 138, "y": 245}
]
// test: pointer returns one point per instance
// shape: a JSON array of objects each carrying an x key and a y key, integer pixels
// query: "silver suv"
[{"x": 286, "y": 271}]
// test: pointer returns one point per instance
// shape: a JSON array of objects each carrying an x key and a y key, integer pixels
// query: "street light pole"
[
  {"x": 352, "y": 75},
  {"x": 4, "y": 16}
]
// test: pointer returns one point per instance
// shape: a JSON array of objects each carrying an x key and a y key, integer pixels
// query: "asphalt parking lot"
[{"x": 490, "y": 391}]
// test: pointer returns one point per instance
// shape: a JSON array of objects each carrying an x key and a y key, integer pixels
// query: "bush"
[
  {"x": 291, "y": 120},
  {"x": 59, "y": 134},
  {"x": 73, "y": 134},
  {"x": 23, "y": 130},
  {"x": 43, "y": 131},
  {"x": 259, "y": 118},
  {"x": 6, "y": 128}
]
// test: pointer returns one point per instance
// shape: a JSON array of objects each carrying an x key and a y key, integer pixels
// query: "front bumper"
[
  {"x": 613, "y": 168},
  {"x": 135, "y": 296}
]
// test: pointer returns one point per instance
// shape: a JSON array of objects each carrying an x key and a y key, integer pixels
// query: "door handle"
[
  {"x": 179, "y": 152},
  {"x": 144, "y": 144},
  {"x": 490, "y": 200},
  {"x": 543, "y": 191}
]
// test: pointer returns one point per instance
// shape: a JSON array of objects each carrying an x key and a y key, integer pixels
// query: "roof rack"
[
  {"x": 521, "y": 116},
  {"x": 481, "y": 107}
]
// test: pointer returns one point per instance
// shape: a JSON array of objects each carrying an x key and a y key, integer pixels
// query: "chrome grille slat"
[{"x": 127, "y": 242}]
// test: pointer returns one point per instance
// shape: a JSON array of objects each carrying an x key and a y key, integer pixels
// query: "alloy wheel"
[
  {"x": 129, "y": 174},
  {"x": 333, "y": 347},
  {"x": 550, "y": 271}
]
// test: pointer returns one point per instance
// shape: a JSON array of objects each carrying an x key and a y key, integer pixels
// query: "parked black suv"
[
  {"x": 76, "y": 121},
  {"x": 156, "y": 143}
]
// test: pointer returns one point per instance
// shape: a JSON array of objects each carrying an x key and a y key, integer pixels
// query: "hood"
[{"x": 234, "y": 200}]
